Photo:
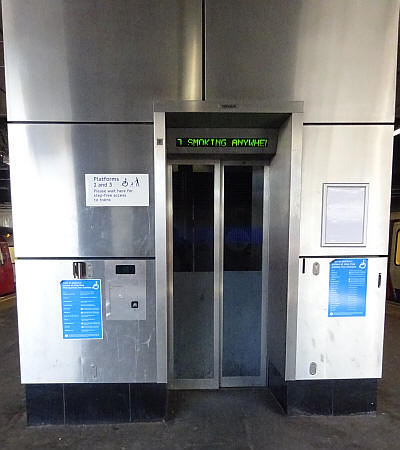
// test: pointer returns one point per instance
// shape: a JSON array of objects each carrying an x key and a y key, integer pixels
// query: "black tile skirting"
[
  {"x": 323, "y": 397},
  {"x": 90, "y": 403}
]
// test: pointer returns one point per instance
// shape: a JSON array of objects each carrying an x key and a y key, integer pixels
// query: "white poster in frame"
[{"x": 344, "y": 214}]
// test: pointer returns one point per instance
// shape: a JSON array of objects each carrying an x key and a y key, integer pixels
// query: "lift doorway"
[
  {"x": 217, "y": 225},
  {"x": 227, "y": 217}
]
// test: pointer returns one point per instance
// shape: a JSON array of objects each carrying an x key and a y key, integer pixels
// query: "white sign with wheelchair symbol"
[{"x": 110, "y": 189}]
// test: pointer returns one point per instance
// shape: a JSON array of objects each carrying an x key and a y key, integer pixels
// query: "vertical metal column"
[
  {"x": 160, "y": 225},
  {"x": 170, "y": 275},
  {"x": 265, "y": 273},
  {"x": 218, "y": 267}
]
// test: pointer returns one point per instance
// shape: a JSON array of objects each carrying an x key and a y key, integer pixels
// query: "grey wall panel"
[
  {"x": 126, "y": 354},
  {"x": 341, "y": 347},
  {"x": 338, "y": 56},
  {"x": 99, "y": 60},
  {"x": 48, "y": 166},
  {"x": 346, "y": 154}
]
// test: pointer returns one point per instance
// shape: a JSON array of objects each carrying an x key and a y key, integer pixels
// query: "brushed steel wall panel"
[
  {"x": 126, "y": 354},
  {"x": 346, "y": 154},
  {"x": 284, "y": 241},
  {"x": 279, "y": 208},
  {"x": 99, "y": 60},
  {"x": 48, "y": 166},
  {"x": 338, "y": 56},
  {"x": 341, "y": 347}
]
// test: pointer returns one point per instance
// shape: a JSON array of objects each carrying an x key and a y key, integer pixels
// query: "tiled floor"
[{"x": 225, "y": 419}]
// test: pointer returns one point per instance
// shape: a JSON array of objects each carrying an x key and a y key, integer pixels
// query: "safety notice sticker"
[
  {"x": 348, "y": 287},
  {"x": 117, "y": 189},
  {"x": 81, "y": 309}
]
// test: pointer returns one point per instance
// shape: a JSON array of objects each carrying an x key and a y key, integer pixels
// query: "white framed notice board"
[{"x": 344, "y": 214}]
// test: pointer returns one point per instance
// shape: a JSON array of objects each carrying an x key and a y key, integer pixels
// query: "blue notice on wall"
[
  {"x": 81, "y": 309},
  {"x": 348, "y": 287}
]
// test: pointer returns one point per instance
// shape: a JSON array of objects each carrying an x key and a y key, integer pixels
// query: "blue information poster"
[
  {"x": 348, "y": 287},
  {"x": 81, "y": 309}
]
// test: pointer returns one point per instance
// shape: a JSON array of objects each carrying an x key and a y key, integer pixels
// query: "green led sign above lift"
[
  {"x": 217, "y": 142},
  {"x": 222, "y": 143}
]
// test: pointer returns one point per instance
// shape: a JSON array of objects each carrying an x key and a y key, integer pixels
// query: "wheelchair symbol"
[
  {"x": 96, "y": 285},
  {"x": 363, "y": 265},
  {"x": 125, "y": 183}
]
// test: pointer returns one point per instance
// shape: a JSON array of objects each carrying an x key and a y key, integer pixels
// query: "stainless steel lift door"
[{"x": 217, "y": 240}]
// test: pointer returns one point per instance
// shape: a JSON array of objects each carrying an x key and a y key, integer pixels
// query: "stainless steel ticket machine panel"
[{"x": 125, "y": 290}]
